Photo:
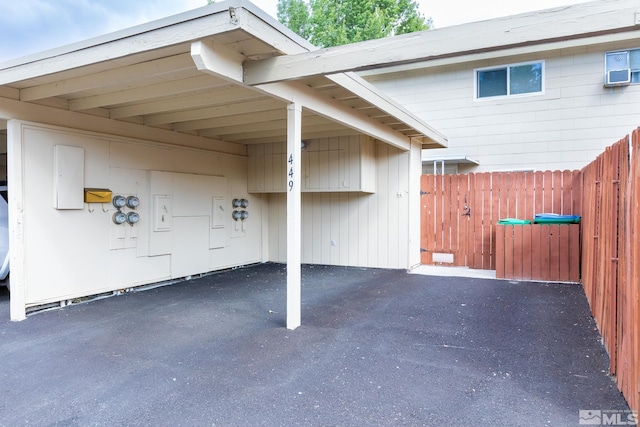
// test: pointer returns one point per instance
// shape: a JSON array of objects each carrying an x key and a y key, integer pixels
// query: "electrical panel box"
[
  {"x": 68, "y": 177},
  {"x": 218, "y": 214},
  {"x": 162, "y": 212}
]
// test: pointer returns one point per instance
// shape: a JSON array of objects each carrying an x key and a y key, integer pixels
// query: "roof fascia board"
[
  {"x": 547, "y": 26},
  {"x": 501, "y": 53},
  {"x": 296, "y": 92},
  {"x": 139, "y": 39},
  {"x": 272, "y": 32}
]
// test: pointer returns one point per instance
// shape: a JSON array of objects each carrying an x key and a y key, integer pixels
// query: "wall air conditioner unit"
[{"x": 618, "y": 77}]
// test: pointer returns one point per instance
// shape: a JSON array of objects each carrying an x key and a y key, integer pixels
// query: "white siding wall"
[
  {"x": 565, "y": 128},
  {"x": 72, "y": 253},
  {"x": 354, "y": 228},
  {"x": 3, "y": 156},
  {"x": 344, "y": 163}
]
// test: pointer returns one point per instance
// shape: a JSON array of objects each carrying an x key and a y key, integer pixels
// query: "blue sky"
[{"x": 30, "y": 26}]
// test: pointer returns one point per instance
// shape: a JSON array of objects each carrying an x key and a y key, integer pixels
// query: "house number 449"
[{"x": 290, "y": 161}]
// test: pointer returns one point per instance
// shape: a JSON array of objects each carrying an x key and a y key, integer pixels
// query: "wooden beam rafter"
[
  {"x": 253, "y": 105},
  {"x": 146, "y": 93},
  {"x": 131, "y": 73}
]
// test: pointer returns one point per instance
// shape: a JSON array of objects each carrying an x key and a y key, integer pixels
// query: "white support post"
[
  {"x": 17, "y": 300},
  {"x": 294, "y": 210}
]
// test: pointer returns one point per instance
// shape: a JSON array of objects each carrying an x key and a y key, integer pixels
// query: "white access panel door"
[
  {"x": 68, "y": 177},
  {"x": 190, "y": 251}
]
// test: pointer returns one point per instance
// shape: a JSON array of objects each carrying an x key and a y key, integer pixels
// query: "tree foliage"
[{"x": 335, "y": 22}]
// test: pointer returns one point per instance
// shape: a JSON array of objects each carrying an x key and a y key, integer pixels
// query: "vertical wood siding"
[{"x": 352, "y": 228}]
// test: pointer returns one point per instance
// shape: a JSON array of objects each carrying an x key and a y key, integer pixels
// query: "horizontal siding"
[{"x": 564, "y": 128}]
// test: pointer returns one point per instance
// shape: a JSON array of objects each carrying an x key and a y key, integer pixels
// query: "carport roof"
[{"x": 185, "y": 73}]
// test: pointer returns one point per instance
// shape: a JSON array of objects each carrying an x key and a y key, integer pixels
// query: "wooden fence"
[
  {"x": 549, "y": 252},
  {"x": 611, "y": 257},
  {"x": 460, "y": 212}
]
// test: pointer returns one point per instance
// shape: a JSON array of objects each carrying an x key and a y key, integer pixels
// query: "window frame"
[
  {"x": 507, "y": 67},
  {"x": 633, "y": 71}
]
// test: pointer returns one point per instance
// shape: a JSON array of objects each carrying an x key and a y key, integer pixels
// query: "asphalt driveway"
[{"x": 377, "y": 348}]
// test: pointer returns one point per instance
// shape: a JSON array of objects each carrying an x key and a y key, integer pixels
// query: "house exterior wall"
[
  {"x": 335, "y": 164},
  {"x": 358, "y": 228},
  {"x": 564, "y": 128},
  {"x": 62, "y": 254},
  {"x": 3, "y": 156}
]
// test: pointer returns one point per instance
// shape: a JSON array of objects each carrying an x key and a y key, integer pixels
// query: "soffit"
[{"x": 162, "y": 88}]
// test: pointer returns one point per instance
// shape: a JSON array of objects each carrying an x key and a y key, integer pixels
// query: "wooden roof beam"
[
  {"x": 171, "y": 64},
  {"x": 335, "y": 111},
  {"x": 221, "y": 62},
  {"x": 364, "y": 90},
  {"x": 173, "y": 103},
  {"x": 146, "y": 93},
  {"x": 225, "y": 110}
]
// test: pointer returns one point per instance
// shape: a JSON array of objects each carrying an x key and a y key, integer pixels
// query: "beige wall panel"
[
  {"x": 245, "y": 239},
  {"x": 136, "y": 156},
  {"x": 349, "y": 207},
  {"x": 267, "y": 172},
  {"x": 277, "y": 213},
  {"x": 564, "y": 128},
  {"x": 415, "y": 201},
  {"x": 383, "y": 205},
  {"x": 68, "y": 177},
  {"x": 190, "y": 249},
  {"x": 70, "y": 254},
  {"x": 341, "y": 218},
  {"x": 328, "y": 164},
  {"x": 160, "y": 201},
  {"x": 188, "y": 191},
  {"x": 361, "y": 229},
  {"x": 365, "y": 239}
]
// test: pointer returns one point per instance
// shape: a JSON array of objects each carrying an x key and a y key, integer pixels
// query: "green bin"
[
  {"x": 513, "y": 221},
  {"x": 547, "y": 218}
]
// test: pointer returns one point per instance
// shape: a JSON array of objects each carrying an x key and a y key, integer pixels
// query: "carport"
[{"x": 162, "y": 112}]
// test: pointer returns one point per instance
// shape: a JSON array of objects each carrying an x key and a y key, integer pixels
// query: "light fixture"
[
  {"x": 119, "y": 201},
  {"x": 119, "y": 218},
  {"x": 133, "y": 202},
  {"x": 133, "y": 217}
]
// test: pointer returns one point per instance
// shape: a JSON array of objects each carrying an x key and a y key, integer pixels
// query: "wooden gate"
[{"x": 459, "y": 212}]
